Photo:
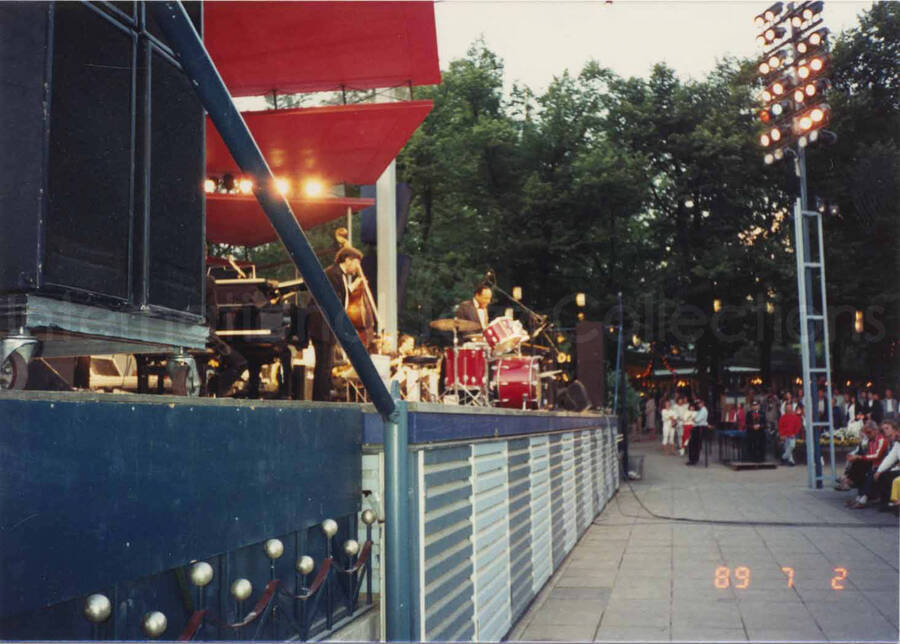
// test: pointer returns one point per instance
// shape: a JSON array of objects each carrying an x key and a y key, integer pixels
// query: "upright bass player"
[{"x": 347, "y": 279}]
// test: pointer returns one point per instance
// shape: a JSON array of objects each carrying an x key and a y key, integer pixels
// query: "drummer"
[{"x": 476, "y": 309}]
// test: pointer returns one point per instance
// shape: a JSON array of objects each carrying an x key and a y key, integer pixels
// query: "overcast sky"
[{"x": 538, "y": 39}]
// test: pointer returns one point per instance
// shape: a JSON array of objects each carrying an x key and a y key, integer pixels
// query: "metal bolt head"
[
  {"x": 97, "y": 608},
  {"x": 368, "y": 517},
  {"x": 154, "y": 624},
  {"x": 329, "y": 527},
  {"x": 241, "y": 589},
  {"x": 305, "y": 565},
  {"x": 201, "y": 573},
  {"x": 274, "y": 548},
  {"x": 351, "y": 547}
]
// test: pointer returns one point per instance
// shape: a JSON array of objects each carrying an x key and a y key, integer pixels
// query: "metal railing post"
[{"x": 398, "y": 548}]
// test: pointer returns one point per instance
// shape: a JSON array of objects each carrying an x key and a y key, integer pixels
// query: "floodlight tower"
[{"x": 793, "y": 70}]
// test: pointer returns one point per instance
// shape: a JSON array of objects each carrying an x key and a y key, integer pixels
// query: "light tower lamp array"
[{"x": 792, "y": 71}]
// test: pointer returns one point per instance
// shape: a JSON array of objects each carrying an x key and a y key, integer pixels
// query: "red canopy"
[
  {"x": 320, "y": 46},
  {"x": 239, "y": 219},
  {"x": 334, "y": 144}
]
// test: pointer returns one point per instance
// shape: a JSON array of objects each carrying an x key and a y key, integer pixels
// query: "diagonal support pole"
[
  {"x": 214, "y": 96},
  {"x": 200, "y": 69}
]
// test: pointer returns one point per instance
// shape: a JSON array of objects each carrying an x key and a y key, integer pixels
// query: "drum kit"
[{"x": 488, "y": 368}]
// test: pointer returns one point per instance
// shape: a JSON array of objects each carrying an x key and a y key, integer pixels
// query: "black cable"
[{"x": 782, "y": 524}]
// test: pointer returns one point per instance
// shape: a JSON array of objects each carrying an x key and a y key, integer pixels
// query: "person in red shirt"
[{"x": 789, "y": 426}]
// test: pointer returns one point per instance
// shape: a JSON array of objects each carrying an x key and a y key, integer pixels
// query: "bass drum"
[{"x": 517, "y": 381}]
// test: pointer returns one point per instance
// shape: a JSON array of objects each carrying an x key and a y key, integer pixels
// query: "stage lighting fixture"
[
  {"x": 517, "y": 292},
  {"x": 313, "y": 188},
  {"x": 283, "y": 186},
  {"x": 209, "y": 185},
  {"x": 245, "y": 186},
  {"x": 769, "y": 159}
]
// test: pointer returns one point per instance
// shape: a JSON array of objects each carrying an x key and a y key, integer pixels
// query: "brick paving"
[{"x": 636, "y": 577}]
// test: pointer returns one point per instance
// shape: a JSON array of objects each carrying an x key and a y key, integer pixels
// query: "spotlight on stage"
[
  {"x": 313, "y": 188},
  {"x": 283, "y": 186},
  {"x": 245, "y": 186}
]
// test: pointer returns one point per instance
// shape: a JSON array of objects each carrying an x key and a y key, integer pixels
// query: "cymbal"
[{"x": 461, "y": 326}]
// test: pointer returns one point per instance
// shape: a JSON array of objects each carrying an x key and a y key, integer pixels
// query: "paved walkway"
[{"x": 637, "y": 577}]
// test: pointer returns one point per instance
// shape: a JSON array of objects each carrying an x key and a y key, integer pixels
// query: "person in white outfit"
[{"x": 669, "y": 420}]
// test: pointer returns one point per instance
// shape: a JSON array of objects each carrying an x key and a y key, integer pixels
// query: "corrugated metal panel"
[
  {"x": 558, "y": 524},
  {"x": 613, "y": 456},
  {"x": 446, "y": 587},
  {"x": 568, "y": 489},
  {"x": 580, "y": 513},
  {"x": 599, "y": 477},
  {"x": 519, "y": 525},
  {"x": 587, "y": 484},
  {"x": 490, "y": 519},
  {"x": 541, "y": 533}
]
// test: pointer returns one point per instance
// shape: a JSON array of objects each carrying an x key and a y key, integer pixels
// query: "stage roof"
[
  {"x": 294, "y": 47},
  {"x": 239, "y": 219},
  {"x": 333, "y": 144}
]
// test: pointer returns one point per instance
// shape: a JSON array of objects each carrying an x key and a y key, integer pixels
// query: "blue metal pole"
[
  {"x": 194, "y": 59},
  {"x": 398, "y": 548}
]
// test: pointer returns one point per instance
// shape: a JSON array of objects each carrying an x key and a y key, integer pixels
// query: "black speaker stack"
[
  {"x": 590, "y": 354},
  {"x": 101, "y": 165}
]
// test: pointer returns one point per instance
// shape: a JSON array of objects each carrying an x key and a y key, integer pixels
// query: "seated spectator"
[
  {"x": 854, "y": 469},
  {"x": 789, "y": 427},
  {"x": 889, "y": 469},
  {"x": 875, "y": 453}
]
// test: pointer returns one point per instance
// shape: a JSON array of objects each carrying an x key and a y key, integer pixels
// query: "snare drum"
[
  {"x": 518, "y": 382},
  {"x": 504, "y": 335},
  {"x": 472, "y": 367}
]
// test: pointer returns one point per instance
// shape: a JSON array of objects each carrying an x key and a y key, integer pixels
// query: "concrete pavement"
[{"x": 634, "y": 576}]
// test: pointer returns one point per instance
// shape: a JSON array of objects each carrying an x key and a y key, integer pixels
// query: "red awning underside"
[
  {"x": 239, "y": 219},
  {"x": 334, "y": 144},
  {"x": 320, "y": 46}
]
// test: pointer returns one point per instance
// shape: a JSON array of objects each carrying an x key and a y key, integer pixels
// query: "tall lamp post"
[{"x": 793, "y": 69}]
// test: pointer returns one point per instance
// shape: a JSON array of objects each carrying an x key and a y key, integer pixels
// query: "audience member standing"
[
  {"x": 668, "y": 426},
  {"x": 789, "y": 427},
  {"x": 772, "y": 409},
  {"x": 756, "y": 437},
  {"x": 875, "y": 409},
  {"x": 699, "y": 422},
  {"x": 890, "y": 405}
]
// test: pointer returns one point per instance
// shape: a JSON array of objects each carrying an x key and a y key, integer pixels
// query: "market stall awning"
[
  {"x": 333, "y": 144},
  {"x": 239, "y": 219},
  {"x": 293, "y": 47}
]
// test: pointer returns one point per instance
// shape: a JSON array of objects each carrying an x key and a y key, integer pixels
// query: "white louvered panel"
[
  {"x": 568, "y": 489},
  {"x": 587, "y": 454},
  {"x": 490, "y": 527},
  {"x": 541, "y": 533}
]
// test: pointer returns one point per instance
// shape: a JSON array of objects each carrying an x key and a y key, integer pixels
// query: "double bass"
[{"x": 361, "y": 310}]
